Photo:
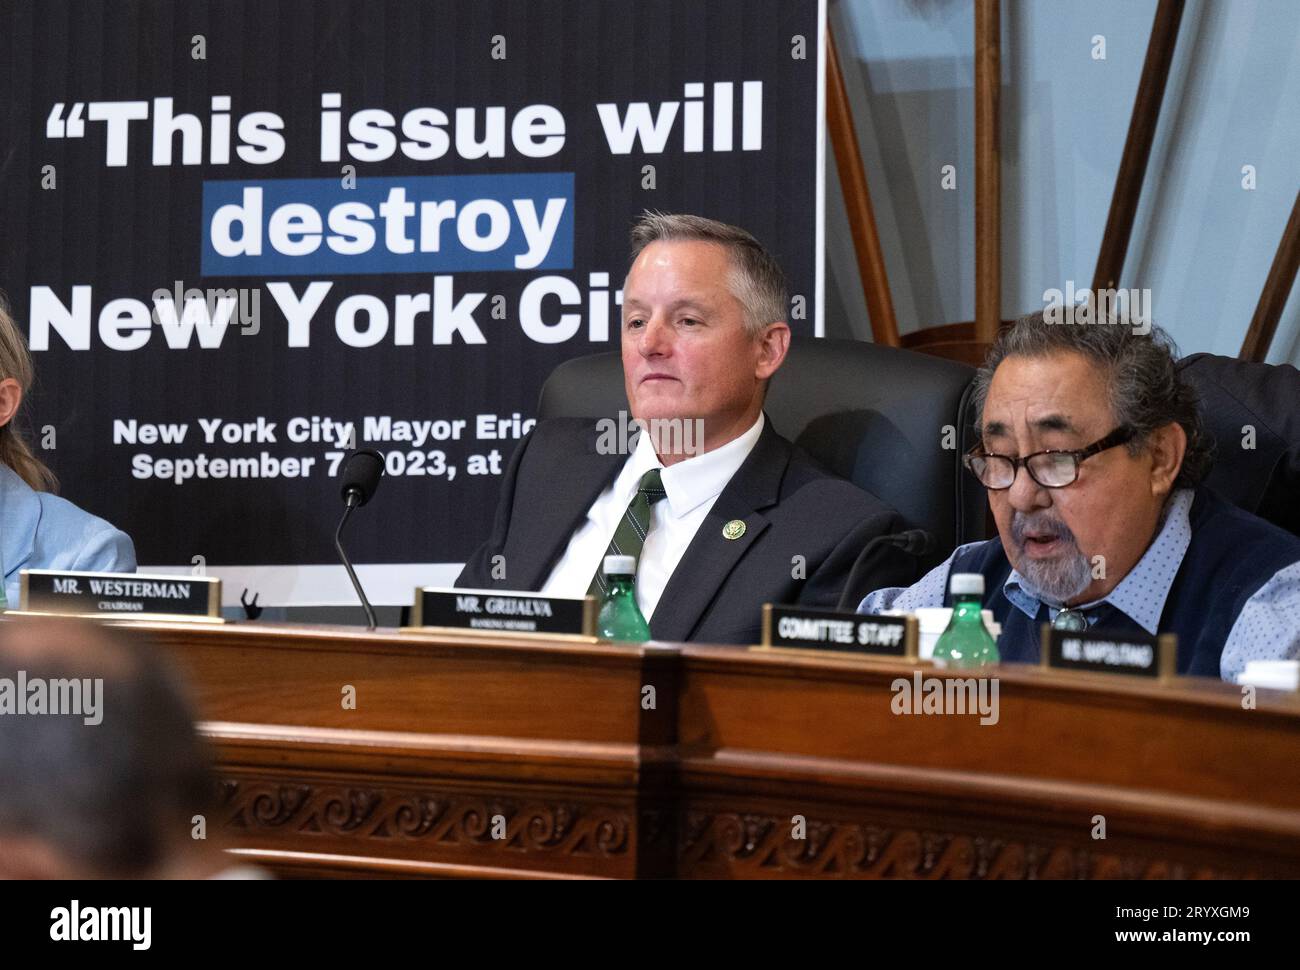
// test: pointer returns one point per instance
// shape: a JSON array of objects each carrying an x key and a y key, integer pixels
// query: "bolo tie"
[{"x": 1071, "y": 620}]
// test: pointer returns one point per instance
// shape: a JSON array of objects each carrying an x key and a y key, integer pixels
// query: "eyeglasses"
[{"x": 1050, "y": 469}]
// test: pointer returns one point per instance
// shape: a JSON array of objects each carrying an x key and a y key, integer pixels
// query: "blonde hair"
[{"x": 16, "y": 362}]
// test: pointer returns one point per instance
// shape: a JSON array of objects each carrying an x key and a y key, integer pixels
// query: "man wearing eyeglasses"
[{"x": 1091, "y": 449}]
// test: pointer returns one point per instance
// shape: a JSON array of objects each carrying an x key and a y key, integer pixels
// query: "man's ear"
[
  {"x": 11, "y": 399},
  {"x": 1166, "y": 448},
  {"x": 774, "y": 343}
]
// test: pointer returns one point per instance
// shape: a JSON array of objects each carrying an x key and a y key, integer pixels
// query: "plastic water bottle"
[
  {"x": 966, "y": 642},
  {"x": 620, "y": 618}
]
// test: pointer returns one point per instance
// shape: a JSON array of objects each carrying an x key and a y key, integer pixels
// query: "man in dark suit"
[{"x": 721, "y": 512}]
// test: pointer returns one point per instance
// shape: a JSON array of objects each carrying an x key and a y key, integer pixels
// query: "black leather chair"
[
  {"x": 875, "y": 415},
  {"x": 1236, "y": 394}
]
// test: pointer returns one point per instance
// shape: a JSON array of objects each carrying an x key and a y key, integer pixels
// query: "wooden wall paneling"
[
  {"x": 1137, "y": 145},
  {"x": 857, "y": 202},
  {"x": 554, "y": 738}
]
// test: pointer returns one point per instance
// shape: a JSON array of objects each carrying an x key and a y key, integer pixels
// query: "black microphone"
[
  {"x": 914, "y": 542},
  {"x": 361, "y": 473}
]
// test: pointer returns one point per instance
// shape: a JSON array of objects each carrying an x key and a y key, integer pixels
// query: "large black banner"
[{"x": 241, "y": 237}]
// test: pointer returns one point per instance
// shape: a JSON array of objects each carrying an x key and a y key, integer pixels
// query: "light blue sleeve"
[
  {"x": 68, "y": 537},
  {"x": 1268, "y": 627},
  {"x": 928, "y": 591},
  {"x": 107, "y": 551}
]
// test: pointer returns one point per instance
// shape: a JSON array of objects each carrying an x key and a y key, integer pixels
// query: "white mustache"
[{"x": 1022, "y": 523}]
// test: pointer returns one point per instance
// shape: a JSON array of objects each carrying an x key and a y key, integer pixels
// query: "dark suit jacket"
[{"x": 790, "y": 506}]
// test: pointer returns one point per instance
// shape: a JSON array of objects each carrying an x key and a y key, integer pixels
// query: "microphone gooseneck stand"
[{"x": 347, "y": 564}]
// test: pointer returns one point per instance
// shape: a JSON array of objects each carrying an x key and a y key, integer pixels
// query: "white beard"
[{"x": 1058, "y": 580}]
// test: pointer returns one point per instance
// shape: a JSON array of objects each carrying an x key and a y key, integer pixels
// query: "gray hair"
[
  {"x": 1146, "y": 392},
  {"x": 756, "y": 279}
]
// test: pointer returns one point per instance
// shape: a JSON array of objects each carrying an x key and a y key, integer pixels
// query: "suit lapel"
[
  {"x": 544, "y": 523},
  {"x": 710, "y": 557}
]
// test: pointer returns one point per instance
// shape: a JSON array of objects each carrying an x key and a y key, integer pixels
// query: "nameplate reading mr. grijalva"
[
  {"x": 1097, "y": 651},
  {"x": 498, "y": 611},
  {"x": 816, "y": 629},
  {"x": 120, "y": 595}
]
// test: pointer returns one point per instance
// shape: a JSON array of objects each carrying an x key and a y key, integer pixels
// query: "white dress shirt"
[{"x": 691, "y": 487}]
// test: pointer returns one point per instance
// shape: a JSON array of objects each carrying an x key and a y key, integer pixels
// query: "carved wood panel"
[
  {"x": 419, "y": 823},
  {"x": 571, "y": 835}
]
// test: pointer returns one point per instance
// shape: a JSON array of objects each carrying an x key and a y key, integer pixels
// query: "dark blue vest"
[{"x": 1232, "y": 554}]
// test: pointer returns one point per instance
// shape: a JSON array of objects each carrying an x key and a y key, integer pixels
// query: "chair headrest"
[
  {"x": 1252, "y": 413},
  {"x": 891, "y": 421}
]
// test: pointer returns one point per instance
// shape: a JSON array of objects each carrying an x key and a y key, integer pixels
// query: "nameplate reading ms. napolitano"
[
  {"x": 1109, "y": 653},
  {"x": 496, "y": 611},
  {"x": 120, "y": 595}
]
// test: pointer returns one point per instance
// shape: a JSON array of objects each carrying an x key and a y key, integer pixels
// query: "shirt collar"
[
  {"x": 1142, "y": 593},
  {"x": 696, "y": 480}
]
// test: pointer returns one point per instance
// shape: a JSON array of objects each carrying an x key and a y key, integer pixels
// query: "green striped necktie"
[{"x": 629, "y": 537}]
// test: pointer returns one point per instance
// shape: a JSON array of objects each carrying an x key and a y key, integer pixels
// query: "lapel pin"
[{"x": 733, "y": 529}]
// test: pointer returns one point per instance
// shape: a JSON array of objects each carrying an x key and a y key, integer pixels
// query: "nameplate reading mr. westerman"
[{"x": 120, "y": 595}]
